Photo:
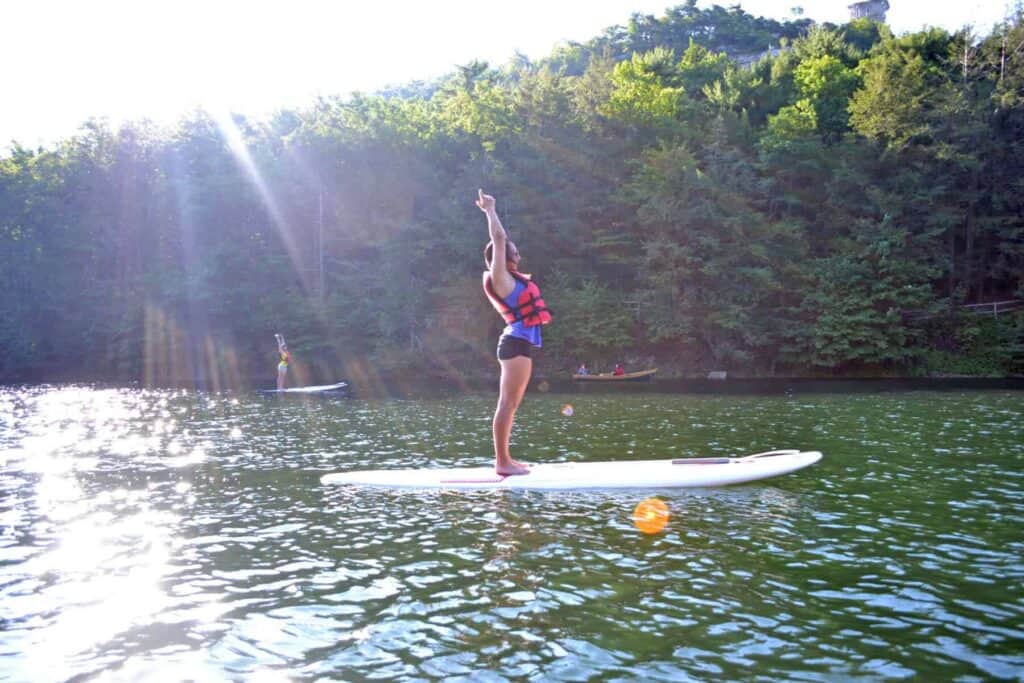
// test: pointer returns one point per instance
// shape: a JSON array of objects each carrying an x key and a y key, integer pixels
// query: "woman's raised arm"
[{"x": 502, "y": 282}]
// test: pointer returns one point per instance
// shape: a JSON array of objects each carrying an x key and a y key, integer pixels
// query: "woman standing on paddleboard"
[
  {"x": 517, "y": 299},
  {"x": 282, "y": 366}
]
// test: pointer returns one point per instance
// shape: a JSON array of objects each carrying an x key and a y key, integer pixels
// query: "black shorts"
[{"x": 510, "y": 347}]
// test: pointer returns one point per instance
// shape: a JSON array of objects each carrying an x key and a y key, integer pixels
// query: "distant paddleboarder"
[
  {"x": 517, "y": 299},
  {"x": 282, "y": 366}
]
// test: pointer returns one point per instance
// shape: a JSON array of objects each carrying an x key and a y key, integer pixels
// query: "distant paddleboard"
[
  {"x": 684, "y": 472},
  {"x": 307, "y": 390}
]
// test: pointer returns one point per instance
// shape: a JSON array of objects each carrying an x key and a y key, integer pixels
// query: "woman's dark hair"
[{"x": 489, "y": 252}]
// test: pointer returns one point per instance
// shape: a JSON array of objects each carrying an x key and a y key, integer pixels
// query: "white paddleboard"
[
  {"x": 684, "y": 472},
  {"x": 308, "y": 390}
]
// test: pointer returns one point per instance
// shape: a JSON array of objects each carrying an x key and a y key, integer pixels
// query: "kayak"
[
  {"x": 680, "y": 472},
  {"x": 609, "y": 377}
]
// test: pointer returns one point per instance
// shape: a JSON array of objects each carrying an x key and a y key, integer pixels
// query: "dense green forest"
[{"x": 706, "y": 190}]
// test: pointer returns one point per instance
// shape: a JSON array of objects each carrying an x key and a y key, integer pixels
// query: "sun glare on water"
[{"x": 102, "y": 552}]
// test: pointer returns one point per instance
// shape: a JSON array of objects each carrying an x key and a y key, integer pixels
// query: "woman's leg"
[
  {"x": 280, "y": 377},
  {"x": 515, "y": 375}
]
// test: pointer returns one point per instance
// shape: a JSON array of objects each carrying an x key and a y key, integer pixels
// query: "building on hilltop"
[{"x": 869, "y": 9}]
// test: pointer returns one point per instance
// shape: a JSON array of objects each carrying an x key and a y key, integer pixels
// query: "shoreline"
[{"x": 407, "y": 386}]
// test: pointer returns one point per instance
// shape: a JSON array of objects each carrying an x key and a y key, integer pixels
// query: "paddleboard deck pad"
[
  {"x": 681, "y": 472},
  {"x": 308, "y": 390}
]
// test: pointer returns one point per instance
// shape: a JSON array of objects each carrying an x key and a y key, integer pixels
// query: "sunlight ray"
[{"x": 236, "y": 143}]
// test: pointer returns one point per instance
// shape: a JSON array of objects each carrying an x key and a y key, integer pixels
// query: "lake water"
[{"x": 153, "y": 534}]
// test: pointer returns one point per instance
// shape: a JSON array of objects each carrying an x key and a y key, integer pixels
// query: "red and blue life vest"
[{"x": 529, "y": 309}]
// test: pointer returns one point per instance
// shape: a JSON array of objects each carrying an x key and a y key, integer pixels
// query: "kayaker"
[
  {"x": 619, "y": 371},
  {"x": 282, "y": 366},
  {"x": 517, "y": 299}
]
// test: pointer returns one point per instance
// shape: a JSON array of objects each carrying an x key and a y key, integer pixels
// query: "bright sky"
[{"x": 67, "y": 60}]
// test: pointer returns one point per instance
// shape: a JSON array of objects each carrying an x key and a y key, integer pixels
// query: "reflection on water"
[{"x": 146, "y": 529}]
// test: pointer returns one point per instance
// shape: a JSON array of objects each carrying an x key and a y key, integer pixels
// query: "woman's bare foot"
[{"x": 511, "y": 467}]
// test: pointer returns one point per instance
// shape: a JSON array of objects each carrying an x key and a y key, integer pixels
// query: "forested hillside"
[{"x": 827, "y": 209}]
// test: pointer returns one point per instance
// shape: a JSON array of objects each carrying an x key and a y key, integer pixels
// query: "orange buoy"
[
  {"x": 567, "y": 410},
  {"x": 651, "y": 515}
]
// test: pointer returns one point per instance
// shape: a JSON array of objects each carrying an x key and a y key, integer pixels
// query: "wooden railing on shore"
[{"x": 995, "y": 307}]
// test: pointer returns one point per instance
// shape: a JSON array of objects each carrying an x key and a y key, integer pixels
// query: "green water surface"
[{"x": 144, "y": 532}]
